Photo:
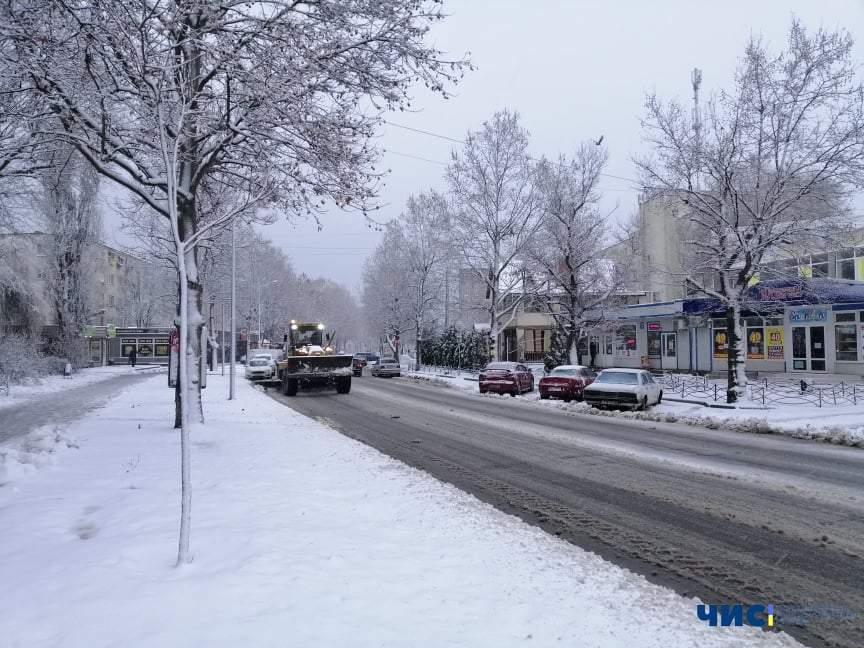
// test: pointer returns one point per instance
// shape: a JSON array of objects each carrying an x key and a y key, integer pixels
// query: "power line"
[
  {"x": 458, "y": 141},
  {"x": 417, "y": 130},
  {"x": 415, "y": 157}
]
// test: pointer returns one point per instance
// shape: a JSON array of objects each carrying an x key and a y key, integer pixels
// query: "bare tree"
[
  {"x": 386, "y": 296},
  {"x": 495, "y": 211},
  {"x": 419, "y": 239},
  {"x": 67, "y": 194},
  {"x": 275, "y": 100},
  {"x": 569, "y": 246},
  {"x": 771, "y": 166}
]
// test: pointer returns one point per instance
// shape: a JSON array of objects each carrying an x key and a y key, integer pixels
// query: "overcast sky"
[{"x": 573, "y": 70}]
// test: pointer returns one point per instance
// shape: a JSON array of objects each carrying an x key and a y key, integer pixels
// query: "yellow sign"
[
  {"x": 721, "y": 344},
  {"x": 774, "y": 337}
]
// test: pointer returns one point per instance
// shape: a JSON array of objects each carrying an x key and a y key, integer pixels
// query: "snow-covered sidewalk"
[{"x": 300, "y": 537}]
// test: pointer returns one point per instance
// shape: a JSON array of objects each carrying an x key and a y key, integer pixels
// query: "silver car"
[{"x": 386, "y": 368}]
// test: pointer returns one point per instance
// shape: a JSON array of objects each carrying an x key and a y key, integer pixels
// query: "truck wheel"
[
  {"x": 343, "y": 385},
  {"x": 289, "y": 387}
]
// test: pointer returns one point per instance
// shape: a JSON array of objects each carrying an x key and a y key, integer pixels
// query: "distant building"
[{"x": 118, "y": 289}]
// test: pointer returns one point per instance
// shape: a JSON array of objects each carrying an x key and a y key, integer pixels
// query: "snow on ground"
[
  {"x": 47, "y": 384},
  {"x": 300, "y": 537}
]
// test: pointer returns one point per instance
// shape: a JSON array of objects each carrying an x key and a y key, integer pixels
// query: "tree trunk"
[
  {"x": 735, "y": 357},
  {"x": 191, "y": 322}
]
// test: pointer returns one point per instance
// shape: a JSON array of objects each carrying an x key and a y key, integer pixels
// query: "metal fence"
[{"x": 766, "y": 391}]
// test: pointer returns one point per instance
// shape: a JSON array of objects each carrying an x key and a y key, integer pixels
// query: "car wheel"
[
  {"x": 544, "y": 396},
  {"x": 566, "y": 399},
  {"x": 482, "y": 391},
  {"x": 659, "y": 397},
  {"x": 515, "y": 392},
  {"x": 643, "y": 404}
]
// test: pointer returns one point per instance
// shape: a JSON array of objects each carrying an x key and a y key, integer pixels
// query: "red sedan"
[
  {"x": 506, "y": 378},
  {"x": 566, "y": 382}
]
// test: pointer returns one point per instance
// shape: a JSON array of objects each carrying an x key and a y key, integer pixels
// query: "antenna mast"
[{"x": 696, "y": 80}]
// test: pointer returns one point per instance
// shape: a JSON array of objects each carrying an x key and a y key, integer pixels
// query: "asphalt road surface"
[{"x": 729, "y": 517}]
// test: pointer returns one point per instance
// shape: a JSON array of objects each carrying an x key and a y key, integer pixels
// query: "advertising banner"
[{"x": 774, "y": 337}]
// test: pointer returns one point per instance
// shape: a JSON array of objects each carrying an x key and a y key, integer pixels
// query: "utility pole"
[{"x": 233, "y": 308}]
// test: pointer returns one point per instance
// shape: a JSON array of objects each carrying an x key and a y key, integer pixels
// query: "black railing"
[{"x": 767, "y": 392}]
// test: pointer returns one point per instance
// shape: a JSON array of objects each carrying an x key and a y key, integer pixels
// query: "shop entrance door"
[
  {"x": 808, "y": 348},
  {"x": 669, "y": 346}
]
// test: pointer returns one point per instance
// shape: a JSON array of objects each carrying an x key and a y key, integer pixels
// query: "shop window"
[
  {"x": 755, "y": 342},
  {"x": 625, "y": 341},
  {"x": 846, "y": 337}
]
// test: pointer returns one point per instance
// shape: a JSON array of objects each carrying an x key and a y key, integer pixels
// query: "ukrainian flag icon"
[{"x": 770, "y": 614}]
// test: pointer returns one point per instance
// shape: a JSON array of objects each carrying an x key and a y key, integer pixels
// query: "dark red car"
[
  {"x": 566, "y": 382},
  {"x": 506, "y": 378}
]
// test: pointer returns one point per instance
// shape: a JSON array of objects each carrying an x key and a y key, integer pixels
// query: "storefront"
[
  {"x": 807, "y": 326},
  {"x": 110, "y": 345}
]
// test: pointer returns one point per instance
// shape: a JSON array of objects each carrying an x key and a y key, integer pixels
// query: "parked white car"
[
  {"x": 259, "y": 369},
  {"x": 268, "y": 358},
  {"x": 633, "y": 389}
]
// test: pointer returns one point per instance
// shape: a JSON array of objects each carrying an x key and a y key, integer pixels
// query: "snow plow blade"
[{"x": 318, "y": 364}]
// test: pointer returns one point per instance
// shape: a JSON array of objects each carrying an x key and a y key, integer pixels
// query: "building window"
[
  {"x": 819, "y": 265},
  {"x": 850, "y": 264},
  {"x": 846, "y": 337},
  {"x": 111, "y": 280},
  {"x": 110, "y": 300}
]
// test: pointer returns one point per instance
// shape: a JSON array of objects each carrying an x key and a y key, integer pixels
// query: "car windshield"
[
  {"x": 617, "y": 377},
  {"x": 259, "y": 362},
  {"x": 559, "y": 371}
]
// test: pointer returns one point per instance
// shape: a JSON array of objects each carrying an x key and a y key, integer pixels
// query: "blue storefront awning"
[{"x": 773, "y": 296}]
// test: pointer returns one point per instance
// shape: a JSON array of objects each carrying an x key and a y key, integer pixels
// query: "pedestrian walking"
[{"x": 133, "y": 356}]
